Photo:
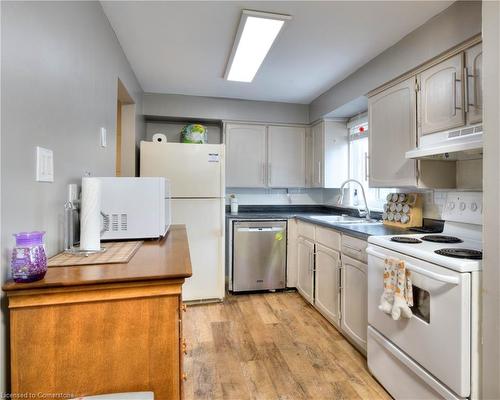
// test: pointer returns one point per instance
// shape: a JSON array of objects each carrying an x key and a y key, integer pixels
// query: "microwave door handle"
[{"x": 454, "y": 280}]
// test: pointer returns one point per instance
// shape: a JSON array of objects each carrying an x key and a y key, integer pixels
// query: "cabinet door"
[
  {"x": 305, "y": 259},
  {"x": 335, "y": 154},
  {"x": 392, "y": 132},
  {"x": 327, "y": 283},
  {"x": 245, "y": 155},
  {"x": 309, "y": 158},
  {"x": 474, "y": 89},
  {"x": 440, "y": 96},
  {"x": 286, "y": 156},
  {"x": 317, "y": 133},
  {"x": 354, "y": 300}
]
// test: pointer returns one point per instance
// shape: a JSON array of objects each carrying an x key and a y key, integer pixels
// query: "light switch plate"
[
  {"x": 104, "y": 139},
  {"x": 44, "y": 165}
]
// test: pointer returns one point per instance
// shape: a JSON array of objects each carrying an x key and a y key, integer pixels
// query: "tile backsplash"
[
  {"x": 434, "y": 200},
  {"x": 276, "y": 196}
]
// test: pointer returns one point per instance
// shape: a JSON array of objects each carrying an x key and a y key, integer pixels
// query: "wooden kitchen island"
[{"x": 94, "y": 329}]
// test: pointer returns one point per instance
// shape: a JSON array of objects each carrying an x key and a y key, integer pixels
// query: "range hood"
[{"x": 457, "y": 144}]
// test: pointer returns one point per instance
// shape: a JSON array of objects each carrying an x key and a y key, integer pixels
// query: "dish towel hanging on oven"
[{"x": 397, "y": 297}]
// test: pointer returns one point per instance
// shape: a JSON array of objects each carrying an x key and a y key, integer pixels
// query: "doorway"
[{"x": 125, "y": 161}]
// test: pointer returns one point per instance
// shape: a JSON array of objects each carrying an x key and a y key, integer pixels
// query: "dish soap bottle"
[
  {"x": 234, "y": 204},
  {"x": 355, "y": 200}
]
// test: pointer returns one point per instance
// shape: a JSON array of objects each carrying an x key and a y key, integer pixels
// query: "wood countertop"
[{"x": 155, "y": 260}]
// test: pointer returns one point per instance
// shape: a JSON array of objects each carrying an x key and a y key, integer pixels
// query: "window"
[{"x": 358, "y": 168}]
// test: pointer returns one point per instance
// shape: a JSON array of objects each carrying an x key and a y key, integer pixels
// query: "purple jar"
[{"x": 29, "y": 262}]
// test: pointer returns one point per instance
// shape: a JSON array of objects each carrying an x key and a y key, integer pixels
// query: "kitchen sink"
[{"x": 344, "y": 220}]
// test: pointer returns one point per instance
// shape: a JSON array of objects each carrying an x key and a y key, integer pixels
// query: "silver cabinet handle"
[
  {"x": 269, "y": 171},
  {"x": 263, "y": 172},
  {"x": 455, "y": 80},
  {"x": 466, "y": 90},
  {"x": 340, "y": 277},
  {"x": 319, "y": 172},
  {"x": 366, "y": 166}
]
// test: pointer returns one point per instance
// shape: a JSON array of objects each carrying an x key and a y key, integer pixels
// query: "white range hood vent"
[{"x": 457, "y": 144}]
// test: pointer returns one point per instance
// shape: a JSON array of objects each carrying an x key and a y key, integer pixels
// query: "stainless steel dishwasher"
[{"x": 259, "y": 255}]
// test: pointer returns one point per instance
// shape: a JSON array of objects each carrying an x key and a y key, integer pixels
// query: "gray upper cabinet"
[
  {"x": 440, "y": 96},
  {"x": 392, "y": 132},
  {"x": 474, "y": 89},
  {"x": 327, "y": 161},
  {"x": 317, "y": 155},
  {"x": 246, "y": 162},
  {"x": 261, "y": 156},
  {"x": 286, "y": 156}
]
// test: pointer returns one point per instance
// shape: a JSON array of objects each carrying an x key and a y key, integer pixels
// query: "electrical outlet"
[
  {"x": 104, "y": 139},
  {"x": 44, "y": 165}
]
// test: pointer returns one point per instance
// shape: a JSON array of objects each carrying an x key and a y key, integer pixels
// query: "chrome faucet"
[{"x": 365, "y": 213}]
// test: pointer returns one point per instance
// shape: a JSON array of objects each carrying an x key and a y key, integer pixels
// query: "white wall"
[
  {"x": 60, "y": 66},
  {"x": 172, "y": 130},
  {"x": 175, "y": 105},
  {"x": 433, "y": 201},
  {"x": 130, "y": 140},
  {"x": 276, "y": 196},
  {"x": 454, "y": 25},
  {"x": 491, "y": 200}
]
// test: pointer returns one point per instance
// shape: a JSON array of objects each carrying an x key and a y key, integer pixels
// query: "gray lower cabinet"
[
  {"x": 354, "y": 300},
  {"x": 305, "y": 264},
  {"x": 327, "y": 283},
  {"x": 332, "y": 276}
]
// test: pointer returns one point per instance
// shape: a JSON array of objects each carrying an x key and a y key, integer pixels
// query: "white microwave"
[{"x": 135, "y": 208}]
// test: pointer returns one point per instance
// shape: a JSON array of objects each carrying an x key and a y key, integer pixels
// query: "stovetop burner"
[
  {"x": 461, "y": 253},
  {"x": 403, "y": 239},
  {"x": 441, "y": 239}
]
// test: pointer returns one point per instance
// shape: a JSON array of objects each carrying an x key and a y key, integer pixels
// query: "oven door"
[{"x": 438, "y": 335}]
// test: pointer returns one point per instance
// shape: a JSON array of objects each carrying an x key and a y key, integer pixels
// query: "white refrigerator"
[{"x": 196, "y": 175}]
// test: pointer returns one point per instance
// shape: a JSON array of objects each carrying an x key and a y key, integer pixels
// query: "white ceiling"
[{"x": 182, "y": 47}]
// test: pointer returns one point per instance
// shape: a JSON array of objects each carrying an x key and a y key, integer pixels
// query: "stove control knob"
[
  {"x": 473, "y": 206},
  {"x": 463, "y": 206},
  {"x": 451, "y": 205}
]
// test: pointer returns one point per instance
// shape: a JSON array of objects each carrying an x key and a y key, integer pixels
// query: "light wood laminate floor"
[{"x": 271, "y": 346}]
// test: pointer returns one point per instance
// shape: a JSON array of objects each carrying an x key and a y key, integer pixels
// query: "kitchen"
[{"x": 358, "y": 145}]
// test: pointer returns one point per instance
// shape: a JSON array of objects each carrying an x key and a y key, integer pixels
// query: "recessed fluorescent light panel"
[{"x": 256, "y": 34}]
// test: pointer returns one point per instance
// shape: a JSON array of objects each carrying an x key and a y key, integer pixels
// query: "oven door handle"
[{"x": 454, "y": 280}]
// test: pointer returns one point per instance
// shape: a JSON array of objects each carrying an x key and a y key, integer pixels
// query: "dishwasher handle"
[{"x": 262, "y": 229}]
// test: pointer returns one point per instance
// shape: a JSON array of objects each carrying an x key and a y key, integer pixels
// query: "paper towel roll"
[
  {"x": 90, "y": 218},
  {"x": 159, "y": 138}
]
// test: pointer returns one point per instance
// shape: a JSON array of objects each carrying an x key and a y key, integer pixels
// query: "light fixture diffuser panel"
[{"x": 256, "y": 34}]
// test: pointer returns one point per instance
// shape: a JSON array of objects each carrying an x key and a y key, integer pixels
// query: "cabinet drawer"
[
  {"x": 354, "y": 248},
  {"x": 305, "y": 229},
  {"x": 328, "y": 238}
]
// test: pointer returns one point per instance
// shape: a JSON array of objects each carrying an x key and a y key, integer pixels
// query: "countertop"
[
  {"x": 359, "y": 231},
  {"x": 167, "y": 258}
]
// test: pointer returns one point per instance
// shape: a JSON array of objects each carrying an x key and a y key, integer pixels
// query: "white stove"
[
  {"x": 435, "y": 353},
  {"x": 469, "y": 237}
]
